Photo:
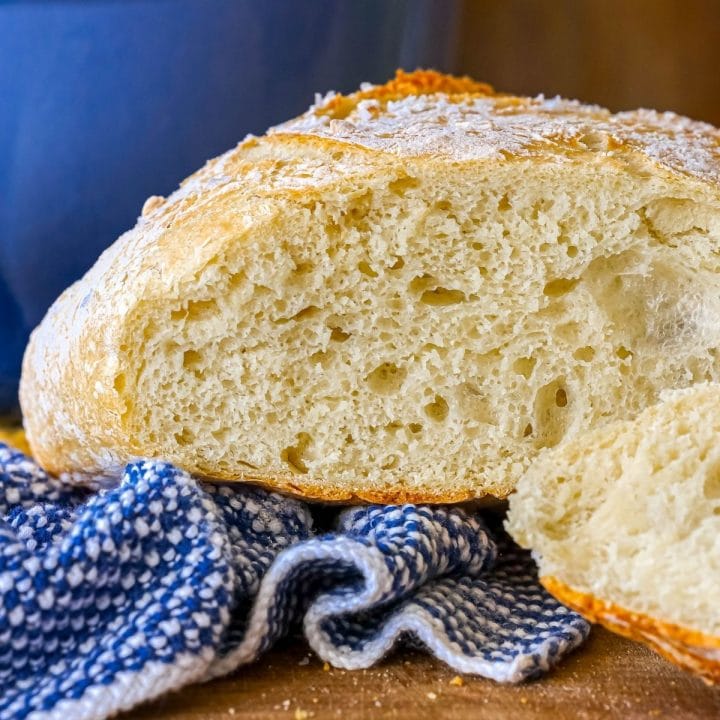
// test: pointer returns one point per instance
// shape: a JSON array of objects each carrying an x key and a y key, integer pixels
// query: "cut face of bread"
[
  {"x": 404, "y": 294},
  {"x": 625, "y": 525}
]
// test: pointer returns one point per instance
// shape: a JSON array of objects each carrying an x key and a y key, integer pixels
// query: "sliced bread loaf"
[
  {"x": 403, "y": 294},
  {"x": 625, "y": 525}
]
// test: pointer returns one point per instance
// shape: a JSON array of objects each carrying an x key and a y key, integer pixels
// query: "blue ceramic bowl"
[{"x": 107, "y": 102}]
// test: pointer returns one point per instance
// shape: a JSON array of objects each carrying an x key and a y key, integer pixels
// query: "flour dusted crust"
[
  {"x": 689, "y": 649},
  {"x": 87, "y": 385},
  {"x": 470, "y": 121}
]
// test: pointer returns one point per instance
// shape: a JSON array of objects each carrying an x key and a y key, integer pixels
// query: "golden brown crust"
[
  {"x": 689, "y": 649},
  {"x": 404, "y": 84},
  {"x": 298, "y": 486}
]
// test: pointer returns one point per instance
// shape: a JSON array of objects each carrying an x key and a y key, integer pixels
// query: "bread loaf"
[
  {"x": 624, "y": 522},
  {"x": 403, "y": 294}
]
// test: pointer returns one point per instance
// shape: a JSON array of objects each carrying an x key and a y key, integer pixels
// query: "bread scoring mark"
[{"x": 404, "y": 84}]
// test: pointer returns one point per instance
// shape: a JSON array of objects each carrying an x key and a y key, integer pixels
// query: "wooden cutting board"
[{"x": 609, "y": 678}]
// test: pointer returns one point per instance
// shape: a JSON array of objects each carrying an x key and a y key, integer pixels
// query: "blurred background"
[
  {"x": 623, "y": 54},
  {"x": 105, "y": 102}
]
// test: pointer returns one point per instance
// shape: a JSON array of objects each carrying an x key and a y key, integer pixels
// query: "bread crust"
[
  {"x": 689, "y": 649},
  {"x": 78, "y": 420},
  {"x": 297, "y": 486}
]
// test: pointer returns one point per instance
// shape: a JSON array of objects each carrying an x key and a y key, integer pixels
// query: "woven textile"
[{"x": 110, "y": 599}]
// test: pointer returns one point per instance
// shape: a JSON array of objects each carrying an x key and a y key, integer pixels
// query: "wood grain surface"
[{"x": 609, "y": 678}]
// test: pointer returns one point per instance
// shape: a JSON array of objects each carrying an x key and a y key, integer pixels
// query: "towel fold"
[{"x": 110, "y": 599}]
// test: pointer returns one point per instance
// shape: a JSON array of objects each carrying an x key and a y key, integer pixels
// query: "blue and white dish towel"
[{"x": 111, "y": 599}]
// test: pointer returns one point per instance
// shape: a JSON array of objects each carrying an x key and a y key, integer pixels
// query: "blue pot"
[{"x": 107, "y": 102}]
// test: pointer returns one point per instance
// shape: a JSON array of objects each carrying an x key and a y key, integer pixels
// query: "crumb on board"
[
  {"x": 432, "y": 696},
  {"x": 326, "y": 666},
  {"x": 457, "y": 681}
]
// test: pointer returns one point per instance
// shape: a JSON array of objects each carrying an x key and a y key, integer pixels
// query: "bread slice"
[
  {"x": 403, "y": 294},
  {"x": 625, "y": 525}
]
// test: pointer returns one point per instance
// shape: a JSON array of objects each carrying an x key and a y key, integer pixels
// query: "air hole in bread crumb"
[
  {"x": 221, "y": 435},
  {"x": 524, "y": 366},
  {"x": 386, "y": 379},
  {"x": 441, "y": 296},
  {"x": 332, "y": 230},
  {"x": 392, "y": 463},
  {"x": 293, "y": 455},
  {"x": 415, "y": 428},
  {"x": 356, "y": 215},
  {"x": 432, "y": 347},
  {"x": 398, "y": 264},
  {"x": 586, "y": 354},
  {"x": 201, "y": 309},
  {"x": 421, "y": 283},
  {"x": 339, "y": 335},
  {"x": 365, "y": 269},
  {"x": 191, "y": 359},
  {"x": 235, "y": 280},
  {"x": 306, "y": 313},
  {"x": 540, "y": 206},
  {"x": 119, "y": 383},
  {"x": 504, "y": 204},
  {"x": 711, "y": 486},
  {"x": 560, "y": 286},
  {"x": 552, "y": 415},
  {"x": 402, "y": 184},
  {"x": 623, "y": 353},
  {"x": 437, "y": 410},
  {"x": 572, "y": 251},
  {"x": 185, "y": 437},
  {"x": 321, "y": 357},
  {"x": 297, "y": 277},
  {"x": 195, "y": 310}
]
